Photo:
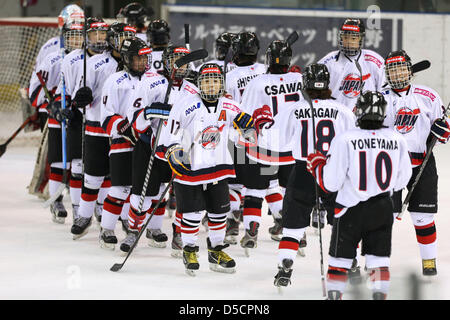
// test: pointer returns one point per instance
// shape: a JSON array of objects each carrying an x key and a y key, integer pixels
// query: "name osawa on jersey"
[
  {"x": 293, "y": 87},
  {"x": 319, "y": 112}
]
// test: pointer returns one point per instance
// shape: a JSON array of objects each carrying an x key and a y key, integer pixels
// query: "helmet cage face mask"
[
  {"x": 96, "y": 37},
  {"x": 169, "y": 60},
  {"x": 398, "y": 72},
  {"x": 347, "y": 42},
  {"x": 73, "y": 35},
  {"x": 211, "y": 83},
  {"x": 119, "y": 37},
  {"x": 137, "y": 63}
]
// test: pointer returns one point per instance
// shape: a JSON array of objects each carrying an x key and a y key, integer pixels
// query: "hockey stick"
[
  {"x": 116, "y": 267},
  {"x": 422, "y": 168},
  {"x": 358, "y": 66},
  {"x": 292, "y": 38},
  {"x": 23, "y": 125},
  {"x": 83, "y": 127},
  {"x": 61, "y": 188},
  {"x": 316, "y": 207}
]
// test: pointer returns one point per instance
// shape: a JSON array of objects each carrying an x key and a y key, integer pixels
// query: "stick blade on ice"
[{"x": 116, "y": 267}]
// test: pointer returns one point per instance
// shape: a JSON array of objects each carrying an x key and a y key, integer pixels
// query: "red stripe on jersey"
[
  {"x": 265, "y": 157},
  {"x": 55, "y": 177},
  {"x": 191, "y": 231},
  {"x": 274, "y": 197},
  {"x": 75, "y": 183},
  {"x": 124, "y": 145},
  {"x": 337, "y": 274},
  {"x": 207, "y": 176},
  {"x": 89, "y": 197},
  {"x": 106, "y": 183},
  {"x": 380, "y": 274},
  {"x": 53, "y": 121},
  {"x": 288, "y": 245},
  {"x": 95, "y": 129},
  {"x": 216, "y": 226}
]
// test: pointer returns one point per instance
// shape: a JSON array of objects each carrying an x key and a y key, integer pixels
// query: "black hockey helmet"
[
  {"x": 398, "y": 69},
  {"x": 211, "y": 82},
  {"x": 118, "y": 31},
  {"x": 351, "y": 27},
  {"x": 135, "y": 14},
  {"x": 246, "y": 44},
  {"x": 96, "y": 29},
  {"x": 136, "y": 56},
  {"x": 158, "y": 32},
  {"x": 279, "y": 53},
  {"x": 316, "y": 77},
  {"x": 223, "y": 43},
  {"x": 171, "y": 54},
  {"x": 370, "y": 110}
]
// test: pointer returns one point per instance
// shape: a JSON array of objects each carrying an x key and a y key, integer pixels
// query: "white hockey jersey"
[
  {"x": 116, "y": 98},
  {"x": 331, "y": 118},
  {"x": 279, "y": 92},
  {"x": 50, "y": 70},
  {"x": 411, "y": 113},
  {"x": 72, "y": 68},
  {"x": 238, "y": 79},
  {"x": 362, "y": 164},
  {"x": 345, "y": 77},
  {"x": 209, "y": 129},
  {"x": 151, "y": 89},
  {"x": 98, "y": 69}
]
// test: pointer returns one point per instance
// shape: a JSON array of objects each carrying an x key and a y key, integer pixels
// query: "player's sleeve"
[
  {"x": 405, "y": 168},
  {"x": 250, "y": 100},
  {"x": 108, "y": 116},
  {"x": 333, "y": 174}
]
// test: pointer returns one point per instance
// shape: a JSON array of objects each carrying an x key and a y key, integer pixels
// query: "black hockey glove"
[
  {"x": 157, "y": 110},
  {"x": 125, "y": 129},
  {"x": 83, "y": 97},
  {"x": 178, "y": 159},
  {"x": 58, "y": 113}
]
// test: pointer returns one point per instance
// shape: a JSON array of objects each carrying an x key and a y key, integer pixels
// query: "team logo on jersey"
[
  {"x": 405, "y": 119},
  {"x": 350, "y": 85},
  {"x": 211, "y": 137}
]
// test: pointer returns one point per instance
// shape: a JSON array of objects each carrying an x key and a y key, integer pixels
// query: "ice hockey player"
[
  {"x": 221, "y": 47},
  {"x": 199, "y": 156},
  {"x": 148, "y": 102},
  {"x": 344, "y": 75},
  {"x": 136, "y": 15},
  {"x": 35, "y": 89},
  {"x": 417, "y": 112},
  {"x": 330, "y": 119},
  {"x": 77, "y": 97},
  {"x": 158, "y": 37},
  {"x": 95, "y": 190},
  {"x": 364, "y": 166},
  {"x": 267, "y": 98},
  {"x": 51, "y": 68}
]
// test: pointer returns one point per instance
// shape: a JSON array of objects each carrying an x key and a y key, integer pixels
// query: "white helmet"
[{"x": 70, "y": 12}]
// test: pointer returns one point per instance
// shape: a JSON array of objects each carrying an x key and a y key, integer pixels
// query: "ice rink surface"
[{"x": 39, "y": 259}]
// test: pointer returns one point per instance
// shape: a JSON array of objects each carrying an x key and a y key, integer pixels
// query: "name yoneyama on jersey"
[{"x": 374, "y": 143}]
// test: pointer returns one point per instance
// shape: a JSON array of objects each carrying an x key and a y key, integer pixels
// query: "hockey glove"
[
  {"x": 441, "y": 130},
  {"x": 315, "y": 160},
  {"x": 157, "y": 110},
  {"x": 58, "y": 113},
  {"x": 178, "y": 160},
  {"x": 263, "y": 118},
  {"x": 125, "y": 129},
  {"x": 83, "y": 97},
  {"x": 295, "y": 68}
]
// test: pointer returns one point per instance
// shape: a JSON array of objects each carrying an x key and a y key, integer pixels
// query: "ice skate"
[
  {"x": 429, "y": 267},
  {"x": 98, "y": 212},
  {"x": 250, "y": 238},
  {"x": 283, "y": 277},
  {"x": 58, "y": 211},
  {"x": 107, "y": 239},
  {"x": 219, "y": 261},
  {"x": 276, "y": 230},
  {"x": 302, "y": 246},
  {"x": 124, "y": 224},
  {"x": 156, "y": 238},
  {"x": 334, "y": 295},
  {"x": 190, "y": 260},
  {"x": 80, "y": 227},
  {"x": 378, "y": 296},
  {"x": 354, "y": 274},
  {"x": 177, "y": 244},
  {"x": 232, "y": 231},
  {"x": 129, "y": 241},
  {"x": 171, "y": 204}
]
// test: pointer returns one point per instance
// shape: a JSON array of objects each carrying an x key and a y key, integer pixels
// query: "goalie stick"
[
  {"x": 193, "y": 56},
  {"x": 422, "y": 168}
]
